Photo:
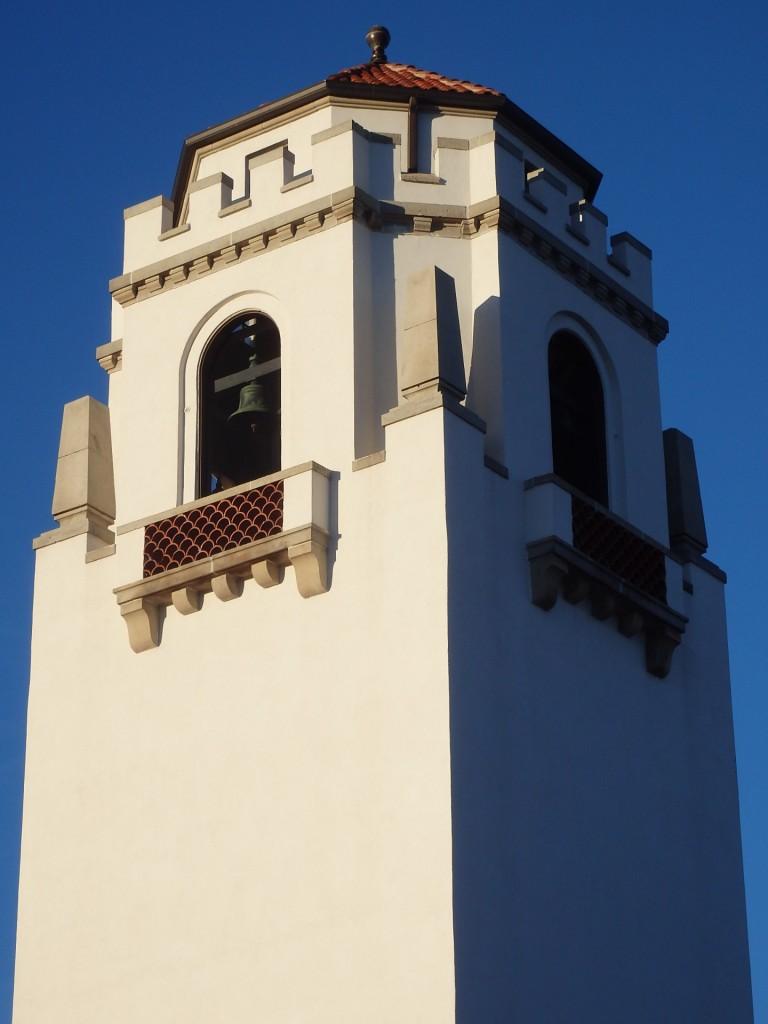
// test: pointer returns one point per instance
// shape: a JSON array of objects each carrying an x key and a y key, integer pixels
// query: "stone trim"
[
  {"x": 282, "y": 474},
  {"x": 173, "y": 232},
  {"x": 495, "y": 213},
  {"x": 110, "y": 356},
  {"x": 369, "y": 460},
  {"x": 437, "y": 400},
  {"x": 89, "y": 524},
  {"x": 351, "y": 125},
  {"x": 305, "y": 178},
  {"x": 563, "y": 258},
  {"x": 142, "y": 603},
  {"x": 625, "y": 236},
  {"x": 498, "y": 140},
  {"x": 174, "y": 271},
  {"x": 557, "y": 567},
  {"x": 421, "y": 177},
  {"x": 96, "y": 554},
  {"x": 84, "y": 490},
  {"x": 560, "y": 564},
  {"x": 303, "y": 541},
  {"x": 236, "y": 207},
  {"x": 542, "y": 174},
  {"x": 496, "y": 467},
  {"x": 148, "y": 204},
  {"x": 448, "y": 142},
  {"x": 218, "y": 178},
  {"x": 506, "y": 113}
]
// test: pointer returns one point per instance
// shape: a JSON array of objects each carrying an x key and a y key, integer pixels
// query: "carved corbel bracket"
[
  {"x": 547, "y": 573},
  {"x": 267, "y": 573},
  {"x": 310, "y": 562},
  {"x": 142, "y": 617},
  {"x": 306, "y": 546},
  {"x": 556, "y": 567},
  {"x": 186, "y": 600},
  {"x": 226, "y": 586},
  {"x": 660, "y": 643}
]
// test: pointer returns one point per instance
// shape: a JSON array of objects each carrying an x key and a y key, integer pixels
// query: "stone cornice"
[
  {"x": 427, "y": 218},
  {"x": 563, "y": 258},
  {"x": 164, "y": 275}
]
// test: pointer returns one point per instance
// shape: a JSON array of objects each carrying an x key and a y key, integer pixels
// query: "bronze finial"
[{"x": 378, "y": 38}]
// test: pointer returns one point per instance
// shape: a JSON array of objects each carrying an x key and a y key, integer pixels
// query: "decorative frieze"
[{"x": 422, "y": 218}]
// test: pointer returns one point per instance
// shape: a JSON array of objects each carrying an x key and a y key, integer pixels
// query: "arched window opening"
[
  {"x": 240, "y": 404},
  {"x": 577, "y": 407}
]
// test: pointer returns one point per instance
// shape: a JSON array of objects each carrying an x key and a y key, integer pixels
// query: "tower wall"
[{"x": 417, "y": 755}]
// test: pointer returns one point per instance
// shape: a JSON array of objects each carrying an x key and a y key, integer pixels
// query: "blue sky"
[{"x": 667, "y": 99}]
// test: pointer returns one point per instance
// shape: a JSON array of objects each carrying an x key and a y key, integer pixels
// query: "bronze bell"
[{"x": 252, "y": 401}]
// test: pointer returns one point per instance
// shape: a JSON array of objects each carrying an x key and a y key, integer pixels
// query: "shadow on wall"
[
  {"x": 375, "y": 355},
  {"x": 484, "y": 384}
]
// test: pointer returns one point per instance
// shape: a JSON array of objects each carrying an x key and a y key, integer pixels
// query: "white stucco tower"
[{"x": 378, "y": 672}]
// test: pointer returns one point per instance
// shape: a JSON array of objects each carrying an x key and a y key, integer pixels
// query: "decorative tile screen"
[
  {"x": 618, "y": 550},
  {"x": 217, "y": 526}
]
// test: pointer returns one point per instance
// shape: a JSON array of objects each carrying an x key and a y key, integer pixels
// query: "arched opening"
[
  {"x": 577, "y": 408},
  {"x": 239, "y": 404}
]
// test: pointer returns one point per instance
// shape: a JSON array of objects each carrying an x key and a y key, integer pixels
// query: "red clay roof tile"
[{"x": 405, "y": 76}]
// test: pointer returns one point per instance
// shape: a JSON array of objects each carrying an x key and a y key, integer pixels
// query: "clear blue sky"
[{"x": 668, "y": 99}]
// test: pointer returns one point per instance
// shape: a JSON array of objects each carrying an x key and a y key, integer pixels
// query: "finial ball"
[{"x": 378, "y": 38}]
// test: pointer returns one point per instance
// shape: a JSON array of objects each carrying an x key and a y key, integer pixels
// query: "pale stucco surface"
[{"x": 416, "y": 797}]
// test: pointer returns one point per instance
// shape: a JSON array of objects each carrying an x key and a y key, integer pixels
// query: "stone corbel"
[
  {"x": 186, "y": 600},
  {"x": 227, "y": 587},
  {"x": 660, "y": 644},
  {"x": 142, "y": 617},
  {"x": 303, "y": 539},
  {"x": 267, "y": 573},
  {"x": 547, "y": 573},
  {"x": 556, "y": 567},
  {"x": 630, "y": 621},
  {"x": 575, "y": 588},
  {"x": 310, "y": 562},
  {"x": 602, "y": 603}
]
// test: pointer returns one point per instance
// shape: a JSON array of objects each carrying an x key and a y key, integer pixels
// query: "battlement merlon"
[{"x": 260, "y": 178}]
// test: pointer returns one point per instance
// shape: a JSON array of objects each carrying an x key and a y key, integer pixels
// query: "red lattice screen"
[
  {"x": 209, "y": 529},
  {"x": 619, "y": 550}
]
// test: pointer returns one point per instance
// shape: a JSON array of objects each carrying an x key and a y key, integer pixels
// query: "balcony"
[
  {"x": 216, "y": 544},
  {"x": 578, "y": 549}
]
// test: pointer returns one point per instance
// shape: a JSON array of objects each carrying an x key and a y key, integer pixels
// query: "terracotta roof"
[{"x": 405, "y": 76}]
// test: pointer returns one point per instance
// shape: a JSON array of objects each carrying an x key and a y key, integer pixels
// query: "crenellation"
[
  {"x": 467, "y": 170},
  {"x": 305, "y": 178},
  {"x": 632, "y": 258},
  {"x": 266, "y": 173},
  {"x": 484, "y": 160},
  {"x": 546, "y": 193},
  {"x": 589, "y": 225},
  {"x": 145, "y": 221},
  {"x": 209, "y": 195},
  {"x": 509, "y": 164}
]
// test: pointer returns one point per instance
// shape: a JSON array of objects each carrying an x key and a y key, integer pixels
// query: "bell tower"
[{"x": 378, "y": 671}]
